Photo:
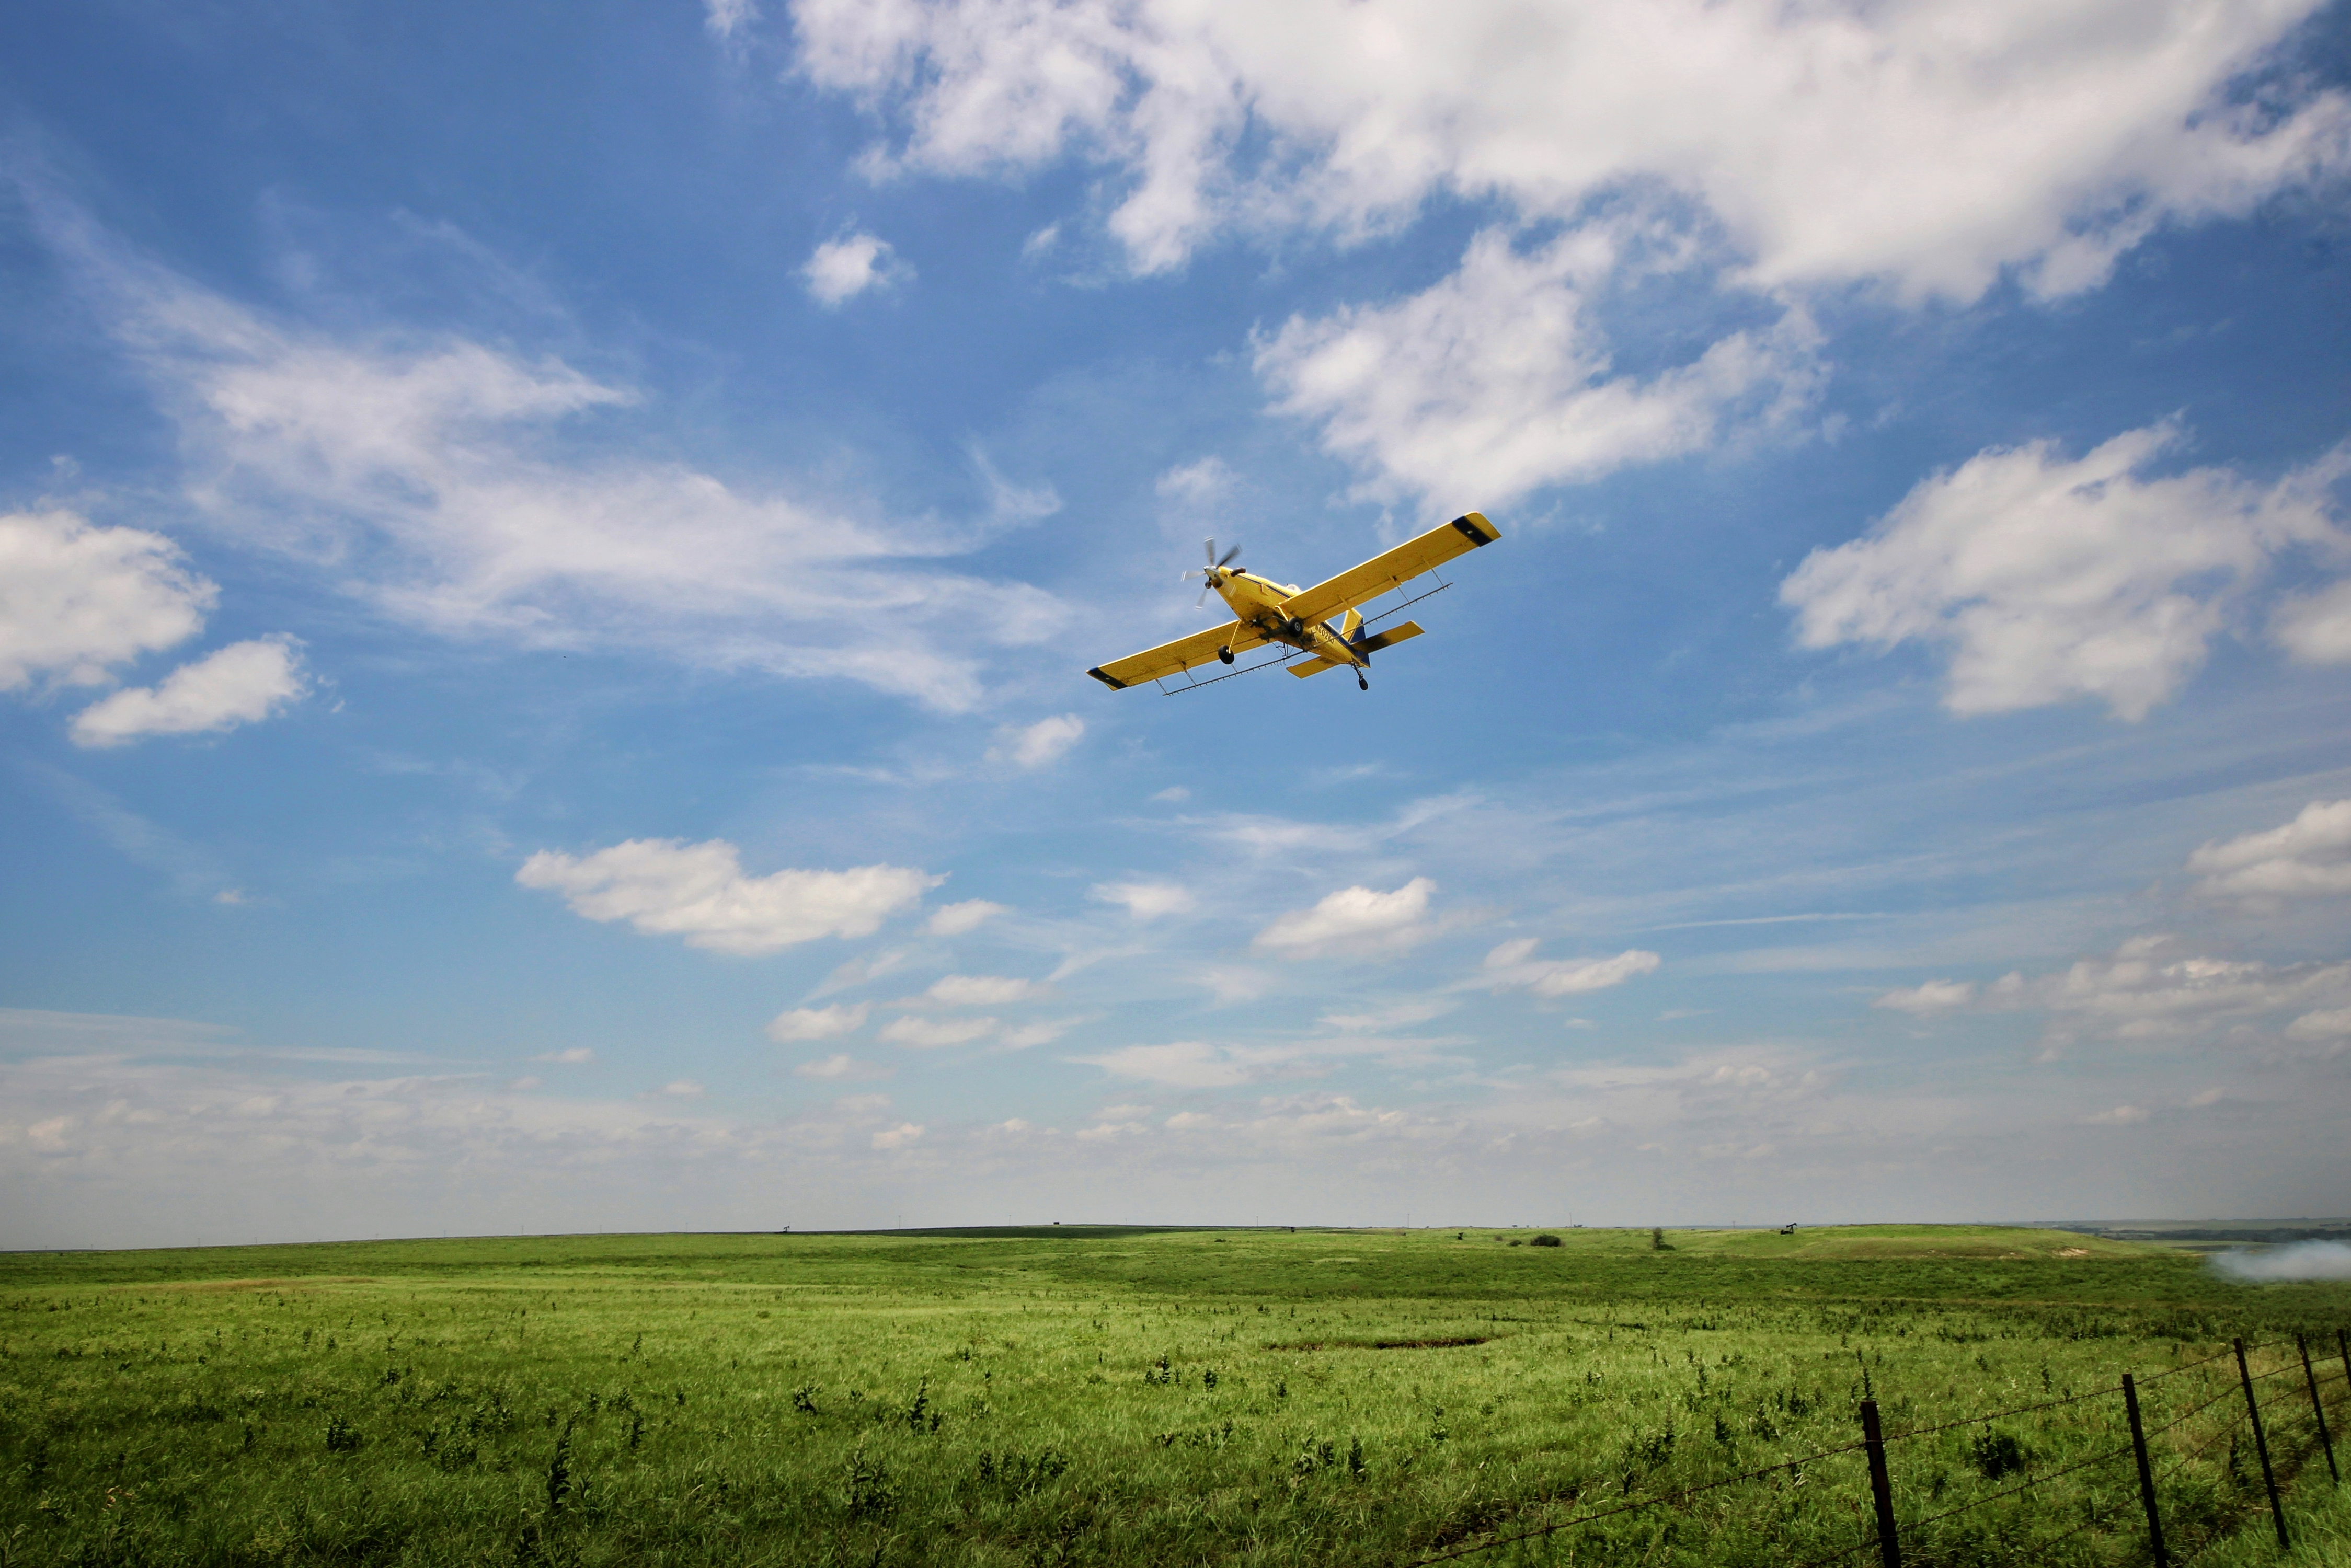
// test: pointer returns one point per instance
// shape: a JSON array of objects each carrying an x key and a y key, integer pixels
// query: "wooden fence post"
[
  {"x": 2318, "y": 1408},
  {"x": 2145, "y": 1474},
  {"x": 1881, "y": 1488},
  {"x": 2343, "y": 1344},
  {"x": 2262, "y": 1448}
]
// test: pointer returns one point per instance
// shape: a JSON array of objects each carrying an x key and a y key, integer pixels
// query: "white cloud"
[
  {"x": 473, "y": 491},
  {"x": 243, "y": 683},
  {"x": 1931, "y": 144},
  {"x": 841, "y": 269},
  {"x": 1144, "y": 900},
  {"x": 575, "y": 1056},
  {"x": 1933, "y": 996},
  {"x": 682, "y": 1088},
  {"x": 1174, "y": 795},
  {"x": 977, "y": 991},
  {"x": 898, "y": 1138},
  {"x": 2152, "y": 991},
  {"x": 858, "y": 971},
  {"x": 1184, "y": 1064},
  {"x": 2309, "y": 857},
  {"x": 934, "y": 1034},
  {"x": 2120, "y": 1116},
  {"x": 1354, "y": 920},
  {"x": 1039, "y": 744},
  {"x": 1199, "y": 483},
  {"x": 1930, "y": 147},
  {"x": 669, "y": 887},
  {"x": 1228, "y": 984},
  {"x": 1513, "y": 966},
  {"x": 2330, "y": 1023},
  {"x": 77, "y": 601},
  {"x": 958, "y": 919},
  {"x": 1197, "y": 1064},
  {"x": 1043, "y": 1032},
  {"x": 2316, "y": 628},
  {"x": 799, "y": 1024},
  {"x": 830, "y": 1068},
  {"x": 1395, "y": 1015},
  {"x": 727, "y": 18},
  {"x": 1497, "y": 379},
  {"x": 2048, "y": 580}
]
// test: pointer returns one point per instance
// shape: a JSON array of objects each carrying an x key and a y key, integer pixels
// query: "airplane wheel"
[
  {"x": 1226, "y": 655},
  {"x": 1362, "y": 684}
]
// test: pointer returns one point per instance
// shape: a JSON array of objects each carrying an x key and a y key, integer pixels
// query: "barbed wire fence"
[{"x": 2171, "y": 1426}]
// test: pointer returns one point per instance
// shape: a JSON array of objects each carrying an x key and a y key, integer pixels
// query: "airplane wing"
[
  {"x": 1393, "y": 569},
  {"x": 1173, "y": 658}
]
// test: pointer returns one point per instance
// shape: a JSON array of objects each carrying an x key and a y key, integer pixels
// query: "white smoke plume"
[{"x": 2300, "y": 1260}]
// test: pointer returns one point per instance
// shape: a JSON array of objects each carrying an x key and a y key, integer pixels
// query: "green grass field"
[{"x": 1078, "y": 1395}]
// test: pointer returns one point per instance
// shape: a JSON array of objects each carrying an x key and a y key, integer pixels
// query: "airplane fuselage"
[{"x": 1256, "y": 602}]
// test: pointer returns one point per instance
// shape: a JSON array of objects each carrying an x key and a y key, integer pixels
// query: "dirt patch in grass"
[{"x": 1382, "y": 1343}]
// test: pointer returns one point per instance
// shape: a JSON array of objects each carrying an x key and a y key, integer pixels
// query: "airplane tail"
[
  {"x": 1354, "y": 629},
  {"x": 1388, "y": 638}
]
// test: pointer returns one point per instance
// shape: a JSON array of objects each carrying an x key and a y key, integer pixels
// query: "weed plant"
[{"x": 1078, "y": 1395}]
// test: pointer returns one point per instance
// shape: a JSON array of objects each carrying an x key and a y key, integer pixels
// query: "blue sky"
[{"x": 548, "y": 556}]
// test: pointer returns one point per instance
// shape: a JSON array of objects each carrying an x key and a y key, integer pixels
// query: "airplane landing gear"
[
  {"x": 1362, "y": 684},
  {"x": 1226, "y": 655}
]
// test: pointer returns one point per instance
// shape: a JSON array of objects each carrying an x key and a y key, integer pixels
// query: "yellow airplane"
[{"x": 1268, "y": 611}]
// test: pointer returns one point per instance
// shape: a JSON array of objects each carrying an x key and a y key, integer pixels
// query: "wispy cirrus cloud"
[{"x": 472, "y": 490}]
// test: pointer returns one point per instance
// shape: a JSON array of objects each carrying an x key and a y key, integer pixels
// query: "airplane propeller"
[{"x": 1217, "y": 563}]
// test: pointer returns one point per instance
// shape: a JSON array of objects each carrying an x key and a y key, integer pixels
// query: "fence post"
[
  {"x": 2343, "y": 1344},
  {"x": 1881, "y": 1488},
  {"x": 2262, "y": 1448},
  {"x": 2318, "y": 1408},
  {"x": 2145, "y": 1474}
]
